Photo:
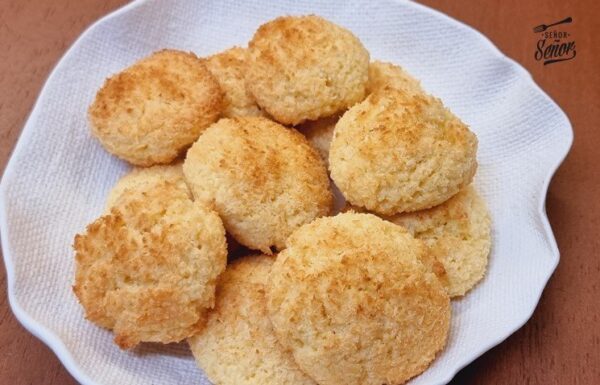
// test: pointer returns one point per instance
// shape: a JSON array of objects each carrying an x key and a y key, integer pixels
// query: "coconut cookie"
[
  {"x": 305, "y": 67},
  {"x": 319, "y": 133},
  {"x": 148, "y": 270},
  {"x": 382, "y": 74},
  {"x": 148, "y": 113},
  {"x": 144, "y": 178},
  {"x": 397, "y": 152},
  {"x": 238, "y": 346},
  {"x": 229, "y": 67},
  {"x": 353, "y": 301},
  {"x": 264, "y": 180},
  {"x": 458, "y": 233}
]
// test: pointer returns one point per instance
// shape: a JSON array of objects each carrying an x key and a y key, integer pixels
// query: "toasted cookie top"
[
  {"x": 229, "y": 67},
  {"x": 144, "y": 178},
  {"x": 458, "y": 233},
  {"x": 396, "y": 152},
  {"x": 148, "y": 113},
  {"x": 264, "y": 179},
  {"x": 305, "y": 67},
  {"x": 155, "y": 255},
  {"x": 382, "y": 74},
  {"x": 353, "y": 301},
  {"x": 238, "y": 346}
]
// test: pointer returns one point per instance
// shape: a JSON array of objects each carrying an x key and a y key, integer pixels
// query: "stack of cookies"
[{"x": 225, "y": 235}]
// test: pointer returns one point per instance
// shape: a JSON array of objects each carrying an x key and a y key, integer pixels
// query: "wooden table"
[{"x": 559, "y": 345}]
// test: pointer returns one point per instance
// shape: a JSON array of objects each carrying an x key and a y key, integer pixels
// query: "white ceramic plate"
[{"x": 58, "y": 176}]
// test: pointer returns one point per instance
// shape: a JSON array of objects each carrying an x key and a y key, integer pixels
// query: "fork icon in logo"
[{"x": 543, "y": 27}]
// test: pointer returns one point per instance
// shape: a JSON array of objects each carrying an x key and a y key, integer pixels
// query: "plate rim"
[{"x": 50, "y": 339}]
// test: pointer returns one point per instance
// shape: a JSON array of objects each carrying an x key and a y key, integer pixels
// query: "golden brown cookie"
[
  {"x": 229, "y": 67},
  {"x": 396, "y": 152},
  {"x": 319, "y": 133},
  {"x": 264, "y": 180},
  {"x": 304, "y": 68},
  {"x": 382, "y": 74},
  {"x": 428, "y": 259},
  {"x": 143, "y": 178},
  {"x": 459, "y": 234},
  {"x": 353, "y": 301},
  {"x": 238, "y": 345},
  {"x": 148, "y": 270},
  {"x": 150, "y": 112}
]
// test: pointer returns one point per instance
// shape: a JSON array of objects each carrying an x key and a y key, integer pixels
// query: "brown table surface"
[{"x": 559, "y": 345}]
